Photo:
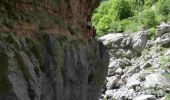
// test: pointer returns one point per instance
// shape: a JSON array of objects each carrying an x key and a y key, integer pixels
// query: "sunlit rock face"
[{"x": 44, "y": 53}]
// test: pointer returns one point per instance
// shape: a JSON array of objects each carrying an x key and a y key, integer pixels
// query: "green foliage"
[
  {"x": 130, "y": 15},
  {"x": 148, "y": 19},
  {"x": 163, "y": 7},
  {"x": 150, "y": 2},
  {"x": 123, "y": 25},
  {"x": 109, "y": 13},
  {"x": 121, "y": 8},
  {"x": 152, "y": 33},
  {"x": 137, "y": 5}
]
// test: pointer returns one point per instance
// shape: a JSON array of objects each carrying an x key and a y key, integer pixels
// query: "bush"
[
  {"x": 109, "y": 13},
  {"x": 104, "y": 25},
  {"x": 123, "y": 25},
  {"x": 122, "y": 9},
  {"x": 163, "y": 7},
  {"x": 148, "y": 19}
]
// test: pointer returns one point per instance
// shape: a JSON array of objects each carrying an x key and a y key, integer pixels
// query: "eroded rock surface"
[{"x": 44, "y": 52}]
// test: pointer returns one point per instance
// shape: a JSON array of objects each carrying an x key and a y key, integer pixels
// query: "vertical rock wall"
[{"x": 44, "y": 54}]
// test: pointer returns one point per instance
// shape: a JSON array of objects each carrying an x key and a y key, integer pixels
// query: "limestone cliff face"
[{"x": 44, "y": 54}]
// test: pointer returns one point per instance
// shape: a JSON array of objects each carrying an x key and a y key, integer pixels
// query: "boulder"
[
  {"x": 111, "y": 72},
  {"x": 123, "y": 94},
  {"x": 156, "y": 80},
  {"x": 109, "y": 93},
  {"x": 110, "y": 38},
  {"x": 167, "y": 53},
  {"x": 139, "y": 40},
  {"x": 133, "y": 81},
  {"x": 115, "y": 64},
  {"x": 164, "y": 40},
  {"x": 131, "y": 53},
  {"x": 145, "y": 97},
  {"x": 111, "y": 82},
  {"x": 145, "y": 65},
  {"x": 125, "y": 42},
  {"x": 119, "y": 71},
  {"x": 163, "y": 28}
]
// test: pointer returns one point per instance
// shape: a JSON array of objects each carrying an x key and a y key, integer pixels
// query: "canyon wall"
[{"x": 45, "y": 53}]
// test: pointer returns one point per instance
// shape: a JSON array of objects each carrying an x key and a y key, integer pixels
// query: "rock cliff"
[{"x": 44, "y": 53}]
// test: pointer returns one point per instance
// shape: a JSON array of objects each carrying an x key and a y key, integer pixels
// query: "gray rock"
[
  {"x": 162, "y": 29},
  {"x": 131, "y": 71},
  {"x": 109, "y": 93},
  {"x": 145, "y": 65},
  {"x": 111, "y": 72},
  {"x": 123, "y": 93},
  {"x": 165, "y": 40},
  {"x": 111, "y": 82},
  {"x": 115, "y": 64},
  {"x": 133, "y": 81},
  {"x": 156, "y": 80},
  {"x": 110, "y": 38},
  {"x": 50, "y": 71},
  {"x": 156, "y": 65},
  {"x": 167, "y": 53},
  {"x": 131, "y": 53},
  {"x": 139, "y": 40},
  {"x": 119, "y": 71},
  {"x": 167, "y": 65},
  {"x": 125, "y": 42},
  {"x": 145, "y": 97}
]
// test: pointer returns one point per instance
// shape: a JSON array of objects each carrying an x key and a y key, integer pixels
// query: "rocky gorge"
[{"x": 139, "y": 66}]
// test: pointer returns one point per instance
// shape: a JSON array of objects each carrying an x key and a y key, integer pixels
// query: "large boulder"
[
  {"x": 139, "y": 40},
  {"x": 164, "y": 40},
  {"x": 112, "y": 38},
  {"x": 163, "y": 28},
  {"x": 111, "y": 82},
  {"x": 145, "y": 97},
  {"x": 133, "y": 81},
  {"x": 156, "y": 80}
]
